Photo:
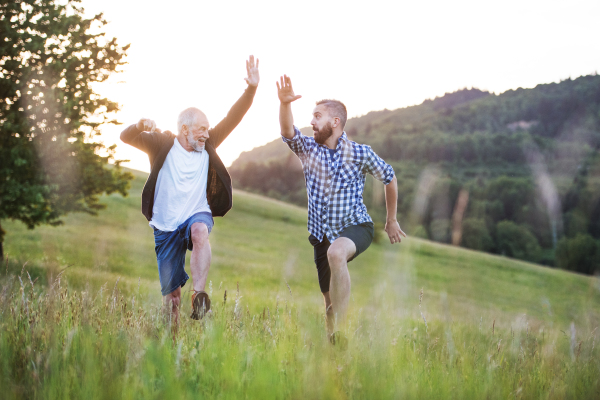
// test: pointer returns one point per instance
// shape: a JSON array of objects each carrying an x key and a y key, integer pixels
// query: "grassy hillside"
[
  {"x": 495, "y": 327},
  {"x": 529, "y": 159}
]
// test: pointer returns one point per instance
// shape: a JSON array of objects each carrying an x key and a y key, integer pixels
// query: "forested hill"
[{"x": 527, "y": 158}]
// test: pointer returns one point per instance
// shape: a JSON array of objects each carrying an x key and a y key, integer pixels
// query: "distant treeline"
[{"x": 527, "y": 158}]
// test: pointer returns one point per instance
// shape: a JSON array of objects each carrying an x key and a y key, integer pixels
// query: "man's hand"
[
  {"x": 147, "y": 125},
  {"x": 285, "y": 91},
  {"x": 392, "y": 227},
  {"x": 253, "y": 76}
]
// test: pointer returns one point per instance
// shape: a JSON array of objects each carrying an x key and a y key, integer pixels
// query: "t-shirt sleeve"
[
  {"x": 298, "y": 143},
  {"x": 375, "y": 166}
]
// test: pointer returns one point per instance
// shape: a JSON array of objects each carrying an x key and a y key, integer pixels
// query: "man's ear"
[{"x": 336, "y": 121}]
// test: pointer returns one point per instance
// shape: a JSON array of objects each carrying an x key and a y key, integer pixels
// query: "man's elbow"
[
  {"x": 126, "y": 135},
  {"x": 288, "y": 135}
]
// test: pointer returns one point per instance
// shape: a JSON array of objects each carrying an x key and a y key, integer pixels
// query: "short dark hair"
[{"x": 336, "y": 109}]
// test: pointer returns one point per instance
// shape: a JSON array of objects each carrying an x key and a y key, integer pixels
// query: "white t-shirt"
[{"x": 180, "y": 188}]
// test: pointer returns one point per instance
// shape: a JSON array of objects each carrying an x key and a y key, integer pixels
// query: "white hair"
[{"x": 188, "y": 118}]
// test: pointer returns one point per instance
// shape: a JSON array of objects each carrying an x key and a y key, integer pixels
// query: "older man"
[
  {"x": 334, "y": 169},
  {"x": 188, "y": 185}
]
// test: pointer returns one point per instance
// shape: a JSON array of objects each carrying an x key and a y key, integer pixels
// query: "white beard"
[{"x": 197, "y": 145}]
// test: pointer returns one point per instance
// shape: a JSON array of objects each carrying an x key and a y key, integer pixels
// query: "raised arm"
[
  {"x": 392, "y": 227},
  {"x": 286, "y": 97},
  {"x": 239, "y": 109},
  {"x": 137, "y": 134}
]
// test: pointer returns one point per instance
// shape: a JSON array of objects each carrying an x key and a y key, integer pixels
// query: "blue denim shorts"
[{"x": 170, "y": 250}]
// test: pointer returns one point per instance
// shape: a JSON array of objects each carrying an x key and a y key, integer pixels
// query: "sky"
[{"x": 370, "y": 55}]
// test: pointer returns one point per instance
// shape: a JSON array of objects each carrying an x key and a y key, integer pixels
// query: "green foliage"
[
  {"x": 475, "y": 235},
  {"x": 419, "y": 232},
  {"x": 517, "y": 241},
  {"x": 503, "y": 149},
  {"x": 282, "y": 179},
  {"x": 50, "y": 161},
  {"x": 580, "y": 254},
  {"x": 440, "y": 230}
]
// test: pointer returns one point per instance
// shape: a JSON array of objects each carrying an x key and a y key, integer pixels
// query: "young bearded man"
[
  {"x": 188, "y": 185},
  {"x": 335, "y": 169}
]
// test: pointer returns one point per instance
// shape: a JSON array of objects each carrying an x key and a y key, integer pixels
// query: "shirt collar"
[{"x": 342, "y": 140}]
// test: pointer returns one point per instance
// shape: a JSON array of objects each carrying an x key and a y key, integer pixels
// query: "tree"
[
  {"x": 475, "y": 235},
  {"x": 517, "y": 241},
  {"x": 51, "y": 162},
  {"x": 580, "y": 254}
]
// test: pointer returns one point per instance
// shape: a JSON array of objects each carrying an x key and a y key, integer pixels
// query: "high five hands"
[
  {"x": 253, "y": 76},
  {"x": 285, "y": 91}
]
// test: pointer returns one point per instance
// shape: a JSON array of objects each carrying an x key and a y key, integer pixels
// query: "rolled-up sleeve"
[
  {"x": 380, "y": 170},
  {"x": 297, "y": 143}
]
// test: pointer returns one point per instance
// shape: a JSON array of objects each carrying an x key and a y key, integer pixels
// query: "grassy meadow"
[{"x": 80, "y": 317}]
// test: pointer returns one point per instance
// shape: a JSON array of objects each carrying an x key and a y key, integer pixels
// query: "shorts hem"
[{"x": 181, "y": 284}]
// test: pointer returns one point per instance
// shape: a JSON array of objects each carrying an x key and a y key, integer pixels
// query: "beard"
[
  {"x": 197, "y": 145},
  {"x": 321, "y": 135}
]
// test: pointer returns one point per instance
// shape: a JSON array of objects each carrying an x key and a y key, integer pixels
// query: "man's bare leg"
[
  {"x": 340, "y": 251},
  {"x": 328, "y": 313},
  {"x": 171, "y": 303},
  {"x": 201, "y": 255}
]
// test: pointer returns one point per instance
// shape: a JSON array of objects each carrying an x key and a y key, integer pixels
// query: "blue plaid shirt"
[{"x": 335, "y": 184}]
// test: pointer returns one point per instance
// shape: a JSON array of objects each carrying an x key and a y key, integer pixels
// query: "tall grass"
[{"x": 58, "y": 342}]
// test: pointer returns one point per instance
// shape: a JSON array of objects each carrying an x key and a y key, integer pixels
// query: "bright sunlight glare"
[{"x": 371, "y": 55}]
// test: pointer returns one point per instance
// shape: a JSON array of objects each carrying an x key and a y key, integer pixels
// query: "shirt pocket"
[{"x": 347, "y": 175}]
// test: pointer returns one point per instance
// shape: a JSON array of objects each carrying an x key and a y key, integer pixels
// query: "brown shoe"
[
  {"x": 200, "y": 304},
  {"x": 338, "y": 340}
]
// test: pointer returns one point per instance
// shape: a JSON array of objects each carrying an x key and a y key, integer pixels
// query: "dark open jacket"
[{"x": 158, "y": 145}]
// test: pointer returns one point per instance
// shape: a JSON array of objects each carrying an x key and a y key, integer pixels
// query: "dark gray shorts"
[{"x": 361, "y": 235}]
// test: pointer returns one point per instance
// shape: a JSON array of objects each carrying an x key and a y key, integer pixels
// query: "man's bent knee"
[
  {"x": 199, "y": 233},
  {"x": 335, "y": 257},
  {"x": 340, "y": 251}
]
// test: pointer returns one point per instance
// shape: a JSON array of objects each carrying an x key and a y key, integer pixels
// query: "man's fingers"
[
  {"x": 278, "y": 88},
  {"x": 257, "y": 63},
  {"x": 148, "y": 125},
  {"x": 397, "y": 236}
]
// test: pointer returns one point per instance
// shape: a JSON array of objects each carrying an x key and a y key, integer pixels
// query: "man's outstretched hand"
[
  {"x": 147, "y": 125},
  {"x": 394, "y": 232},
  {"x": 253, "y": 75},
  {"x": 285, "y": 91}
]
